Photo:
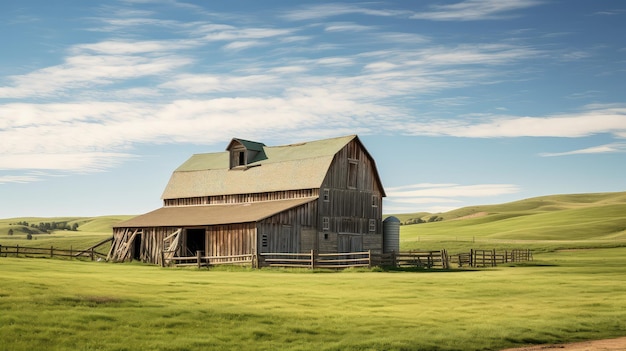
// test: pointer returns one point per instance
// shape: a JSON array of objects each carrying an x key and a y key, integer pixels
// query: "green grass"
[
  {"x": 91, "y": 230},
  {"x": 544, "y": 223},
  {"x": 63, "y": 305},
  {"x": 562, "y": 296}
]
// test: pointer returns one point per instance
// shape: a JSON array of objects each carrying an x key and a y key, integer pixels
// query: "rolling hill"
[{"x": 573, "y": 217}]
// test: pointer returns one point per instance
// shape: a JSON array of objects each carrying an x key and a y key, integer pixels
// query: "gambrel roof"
[{"x": 289, "y": 167}]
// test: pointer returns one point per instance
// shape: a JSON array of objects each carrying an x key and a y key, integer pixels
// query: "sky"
[{"x": 460, "y": 102}]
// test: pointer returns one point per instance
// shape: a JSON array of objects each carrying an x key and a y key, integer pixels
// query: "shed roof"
[
  {"x": 212, "y": 214},
  {"x": 289, "y": 167}
]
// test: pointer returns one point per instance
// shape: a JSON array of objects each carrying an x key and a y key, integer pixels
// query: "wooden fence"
[
  {"x": 491, "y": 258},
  {"x": 24, "y": 251},
  {"x": 207, "y": 261},
  {"x": 313, "y": 259}
]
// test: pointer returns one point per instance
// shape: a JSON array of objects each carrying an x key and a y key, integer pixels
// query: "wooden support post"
[
  {"x": 17, "y": 250},
  {"x": 493, "y": 258},
  {"x": 162, "y": 258},
  {"x": 51, "y": 251},
  {"x": 91, "y": 253},
  {"x": 369, "y": 258},
  {"x": 471, "y": 258},
  {"x": 313, "y": 259},
  {"x": 199, "y": 258},
  {"x": 71, "y": 253}
]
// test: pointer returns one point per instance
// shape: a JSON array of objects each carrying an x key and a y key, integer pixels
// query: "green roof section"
[
  {"x": 250, "y": 145},
  {"x": 273, "y": 154}
]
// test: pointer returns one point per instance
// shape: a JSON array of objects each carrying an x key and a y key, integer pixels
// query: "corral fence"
[
  {"x": 491, "y": 258},
  {"x": 408, "y": 259},
  {"x": 314, "y": 259},
  {"x": 25, "y": 251}
]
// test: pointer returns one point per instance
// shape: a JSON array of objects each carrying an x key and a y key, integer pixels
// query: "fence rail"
[
  {"x": 313, "y": 259},
  {"x": 25, "y": 251}
]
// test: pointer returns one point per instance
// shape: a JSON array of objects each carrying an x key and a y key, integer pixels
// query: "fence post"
[
  {"x": 199, "y": 258},
  {"x": 17, "y": 250},
  {"x": 162, "y": 259},
  {"x": 313, "y": 259},
  {"x": 493, "y": 258},
  {"x": 71, "y": 253},
  {"x": 369, "y": 258},
  {"x": 91, "y": 253},
  {"x": 471, "y": 258}
]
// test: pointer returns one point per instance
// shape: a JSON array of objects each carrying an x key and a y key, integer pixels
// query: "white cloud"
[
  {"x": 76, "y": 162},
  {"x": 331, "y": 10},
  {"x": 602, "y": 149},
  {"x": 589, "y": 122},
  {"x": 455, "y": 190},
  {"x": 472, "y": 10},
  {"x": 434, "y": 198},
  {"x": 4, "y": 179},
  {"x": 85, "y": 71}
]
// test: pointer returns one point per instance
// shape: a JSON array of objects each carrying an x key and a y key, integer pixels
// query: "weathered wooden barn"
[{"x": 251, "y": 199}]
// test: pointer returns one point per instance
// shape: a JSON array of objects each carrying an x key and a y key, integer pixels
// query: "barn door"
[
  {"x": 349, "y": 243},
  {"x": 284, "y": 239}
]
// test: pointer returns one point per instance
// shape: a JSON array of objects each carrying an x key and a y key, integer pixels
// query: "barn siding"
[
  {"x": 350, "y": 208},
  {"x": 283, "y": 232},
  {"x": 241, "y": 198}
]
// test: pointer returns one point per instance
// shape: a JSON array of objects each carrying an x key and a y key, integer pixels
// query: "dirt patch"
[{"x": 618, "y": 344}]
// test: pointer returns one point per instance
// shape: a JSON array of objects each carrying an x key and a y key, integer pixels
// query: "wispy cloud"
[
  {"x": 331, "y": 10},
  {"x": 472, "y": 10},
  {"x": 588, "y": 122},
  {"x": 601, "y": 149},
  {"x": 440, "y": 197}
]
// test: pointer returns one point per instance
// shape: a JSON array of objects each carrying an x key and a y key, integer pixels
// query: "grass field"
[
  {"x": 574, "y": 290},
  {"x": 61, "y": 305}
]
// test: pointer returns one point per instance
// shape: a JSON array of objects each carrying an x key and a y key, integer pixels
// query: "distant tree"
[
  {"x": 11, "y": 231},
  {"x": 75, "y": 226},
  {"x": 29, "y": 236}
]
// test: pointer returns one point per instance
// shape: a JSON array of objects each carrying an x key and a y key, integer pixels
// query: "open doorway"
[
  {"x": 137, "y": 247},
  {"x": 195, "y": 239}
]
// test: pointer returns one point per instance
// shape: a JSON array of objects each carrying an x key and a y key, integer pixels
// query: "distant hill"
[
  {"x": 594, "y": 216},
  {"x": 101, "y": 224}
]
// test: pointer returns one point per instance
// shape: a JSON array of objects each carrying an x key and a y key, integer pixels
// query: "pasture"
[
  {"x": 78, "y": 305},
  {"x": 573, "y": 290}
]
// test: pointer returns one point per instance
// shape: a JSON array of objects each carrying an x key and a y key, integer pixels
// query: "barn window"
[
  {"x": 241, "y": 157},
  {"x": 326, "y": 195},
  {"x": 374, "y": 200},
  {"x": 325, "y": 223},
  {"x": 372, "y": 225},
  {"x": 353, "y": 171},
  {"x": 264, "y": 240}
]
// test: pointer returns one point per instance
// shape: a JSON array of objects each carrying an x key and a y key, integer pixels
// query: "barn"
[{"x": 251, "y": 199}]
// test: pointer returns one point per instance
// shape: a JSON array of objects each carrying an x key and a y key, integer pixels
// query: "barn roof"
[
  {"x": 289, "y": 167},
  {"x": 212, "y": 214}
]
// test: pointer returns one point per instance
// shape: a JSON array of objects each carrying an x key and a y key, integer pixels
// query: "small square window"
[
  {"x": 372, "y": 225},
  {"x": 325, "y": 223},
  {"x": 374, "y": 200},
  {"x": 326, "y": 195},
  {"x": 264, "y": 240}
]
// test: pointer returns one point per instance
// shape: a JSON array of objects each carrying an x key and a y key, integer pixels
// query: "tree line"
[{"x": 44, "y": 227}]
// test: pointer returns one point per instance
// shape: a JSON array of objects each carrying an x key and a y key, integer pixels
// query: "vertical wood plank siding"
[
  {"x": 349, "y": 209},
  {"x": 273, "y": 230},
  {"x": 241, "y": 198}
]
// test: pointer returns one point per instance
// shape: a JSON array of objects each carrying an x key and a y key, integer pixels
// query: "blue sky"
[{"x": 460, "y": 102}]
